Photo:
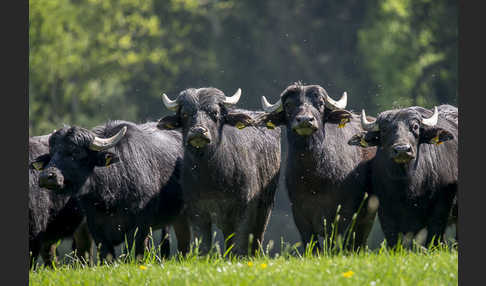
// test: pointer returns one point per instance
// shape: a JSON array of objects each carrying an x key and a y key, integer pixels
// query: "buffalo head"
[
  {"x": 201, "y": 113},
  {"x": 304, "y": 109},
  {"x": 399, "y": 132},
  {"x": 73, "y": 154}
]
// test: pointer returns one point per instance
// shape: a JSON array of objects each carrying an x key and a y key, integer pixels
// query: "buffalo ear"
[
  {"x": 271, "y": 120},
  {"x": 365, "y": 139},
  {"x": 169, "y": 122},
  {"x": 340, "y": 117},
  {"x": 105, "y": 158},
  {"x": 434, "y": 135},
  {"x": 40, "y": 162},
  {"x": 238, "y": 120}
]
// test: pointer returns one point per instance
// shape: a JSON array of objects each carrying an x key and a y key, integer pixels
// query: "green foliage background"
[{"x": 94, "y": 60}]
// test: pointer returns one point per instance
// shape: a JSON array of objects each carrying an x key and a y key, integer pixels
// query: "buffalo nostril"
[
  {"x": 200, "y": 130},
  {"x": 402, "y": 148},
  {"x": 305, "y": 119}
]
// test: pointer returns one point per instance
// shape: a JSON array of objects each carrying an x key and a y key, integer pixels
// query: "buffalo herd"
[{"x": 209, "y": 163}]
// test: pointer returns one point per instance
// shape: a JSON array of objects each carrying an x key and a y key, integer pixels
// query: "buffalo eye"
[
  {"x": 316, "y": 94},
  {"x": 415, "y": 128},
  {"x": 77, "y": 154},
  {"x": 213, "y": 114},
  {"x": 288, "y": 105}
]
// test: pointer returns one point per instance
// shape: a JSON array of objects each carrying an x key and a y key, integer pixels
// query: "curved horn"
[
  {"x": 234, "y": 98},
  {"x": 271, "y": 107},
  {"x": 100, "y": 144},
  {"x": 170, "y": 104},
  {"x": 431, "y": 121},
  {"x": 340, "y": 104},
  {"x": 368, "y": 125}
]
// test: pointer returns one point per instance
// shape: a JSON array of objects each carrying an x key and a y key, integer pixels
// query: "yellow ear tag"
[
  {"x": 108, "y": 160},
  {"x": 436, "y": 140},
  {"x": 343, "y": 122},
  {"x": 363, "y": 142},
  {"x": 270, "y": 125},
  {"x": 240, "y": 125},
  {"x": 38, "y": 165},
  {"x": 169, "y": 126}
]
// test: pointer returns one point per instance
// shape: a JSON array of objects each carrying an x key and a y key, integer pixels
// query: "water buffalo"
[
  {"x": 126, "y": 178},
  {"x": 229, "y": 176},
  {"x": 323, "y": 174},
  {"x": 52, "y": 216},
  {"x": 414, "y": 174}
]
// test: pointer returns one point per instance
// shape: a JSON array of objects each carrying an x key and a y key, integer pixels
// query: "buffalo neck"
[
  {"x": 217, "y": 159},
  {"x": 324, "y": 155},
  {"x": 305, "y": 150}
]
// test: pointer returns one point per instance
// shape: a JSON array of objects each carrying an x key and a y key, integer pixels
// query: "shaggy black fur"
[
  {"x": 124, "y": 190},
  {"x": 229, "y": 176},
  {"x": 322, "y": 171},
  {"x": 51, "y": 216},
  {"x": 418, "y": 194}
]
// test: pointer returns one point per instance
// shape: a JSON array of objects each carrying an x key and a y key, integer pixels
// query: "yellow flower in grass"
[
  {"x": 143, "y": 267},
  {"x": 348, "y": 274},
  {"x": 263, "y": 265},
  {"x": 250, "y": 263}
]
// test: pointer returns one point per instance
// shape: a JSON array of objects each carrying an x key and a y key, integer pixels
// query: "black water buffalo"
[
  {"x": 229, "y": 176},
  {"x": 126, "y": 178},
  {"x": 414, "y": 174},
  {"x": 322, "y": 171},
  {"x": 52, "y": 216}
]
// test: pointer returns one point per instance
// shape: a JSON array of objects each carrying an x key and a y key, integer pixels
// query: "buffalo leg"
[
  {"x": 389, "y": 227},
  {"x": 201, "y": 225},
  {"x": 228, "y": 229},
  {"x": 305, "y": 229},
  {"x": 83, "y": 243},
  {"x": 34, "y": 249},
  {"x": 263, "y": 217},
  {"x": 437, "y": 222},
  {"x": 246, "y": 226},
  {"x": 136, "y": 239},
  {"x": 364, "y": 224},
  {"x": 165, "y": 242},
  {"x": 182, "y": 230},
  {"x": 107, "y": 252},
  {"x": 48, "y": 253}
]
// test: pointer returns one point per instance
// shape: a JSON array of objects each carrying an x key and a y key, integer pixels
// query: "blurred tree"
[
  {"x": 409, "y": 48},
  {"x": 87, "y": 56},
  {"x": 263, "y": 46},
  {"x": 92, "y": 60}
]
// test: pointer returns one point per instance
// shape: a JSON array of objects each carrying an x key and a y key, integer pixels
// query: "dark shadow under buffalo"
[{"x": 126, "y": 177}]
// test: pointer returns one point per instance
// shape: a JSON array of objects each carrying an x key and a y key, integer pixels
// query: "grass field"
[{"x": 382, "y": 267}]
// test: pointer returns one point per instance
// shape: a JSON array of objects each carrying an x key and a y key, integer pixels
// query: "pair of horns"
[
  {"x": 329, "y": 102},
  {"x": 172, "y": 104},
  {"x": 100, "y": 144},
  {"x": 373, "y": 126}
]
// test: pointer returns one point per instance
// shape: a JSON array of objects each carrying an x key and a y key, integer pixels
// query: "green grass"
[{"x": 384, "y": 267}]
